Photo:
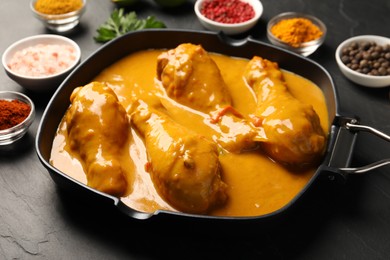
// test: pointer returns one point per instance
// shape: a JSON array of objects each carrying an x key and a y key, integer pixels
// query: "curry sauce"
[{"x": 256, "y": 184}]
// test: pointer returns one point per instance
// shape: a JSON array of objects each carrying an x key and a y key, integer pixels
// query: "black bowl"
[{"x": 341, "y": 141}]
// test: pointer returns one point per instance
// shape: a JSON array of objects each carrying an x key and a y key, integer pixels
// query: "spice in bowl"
[
  {"x": 227, "y": 11},
  {"x": 367, "y": 57},
  {"x": 295, "y": 31},
  {"x": 230, "y": 17},
  {"x": 59, "y": 15},
  {"x": 365, "y": 60},
  {"x": 58, "y": 6},
  {"x": 12, "y": 113},
  {"x": 43, "y": 60},
  {"x": 17, "y": 113}
]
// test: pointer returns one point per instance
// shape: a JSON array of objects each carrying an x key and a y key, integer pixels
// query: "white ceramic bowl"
[
  {"x": 305, "y": 48},
  {"x": 59, "y": 23},
  {"x": 10, "y": 135},
  {"x": 41, "y": 83},
  {"x": 230, "y": 29},
  {"x": 357, "y": 77}
]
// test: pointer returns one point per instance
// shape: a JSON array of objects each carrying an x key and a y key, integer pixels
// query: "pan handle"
[
  {"x": 366, "y": 168},
  {"x": 345, "y": 131},
  {"x": 353, "y": 126}
]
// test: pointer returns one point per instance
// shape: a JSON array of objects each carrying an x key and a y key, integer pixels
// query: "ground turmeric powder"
[
  {"x": 295, "y": 31},
  {"x": 58, "y": 6}
]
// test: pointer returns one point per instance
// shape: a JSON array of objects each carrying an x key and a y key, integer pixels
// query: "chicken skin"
[
  {"x": 293, "y": 130},
  {"x": 192, "y": 78},
  {"x": 97, "y": 128},
  {"x": 184, "y": 166}
]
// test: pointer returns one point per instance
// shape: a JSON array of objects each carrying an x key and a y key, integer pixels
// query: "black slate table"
[{"x": 332, "y": 221}]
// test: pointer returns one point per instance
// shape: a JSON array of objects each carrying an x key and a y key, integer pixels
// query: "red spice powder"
[
  {"x": 12, "y": 113},
  {"x": 227, "y": 11}
]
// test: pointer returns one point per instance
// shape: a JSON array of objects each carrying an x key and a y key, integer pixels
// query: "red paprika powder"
[
  {"x": 12, "y": 113},
  {"x": 227, "y": 11}
]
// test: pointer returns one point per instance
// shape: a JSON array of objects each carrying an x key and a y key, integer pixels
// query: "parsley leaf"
[{"x": 120, "y": 23}]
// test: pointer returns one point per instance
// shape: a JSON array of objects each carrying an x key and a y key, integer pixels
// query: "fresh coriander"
[{"x": 120, "y": 23}]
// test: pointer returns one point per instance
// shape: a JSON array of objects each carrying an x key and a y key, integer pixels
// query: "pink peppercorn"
[{"x": 227, "y": 11}]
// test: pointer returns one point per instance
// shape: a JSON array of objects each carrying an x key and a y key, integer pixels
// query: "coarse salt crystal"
[{"x": 43, "y": 60}]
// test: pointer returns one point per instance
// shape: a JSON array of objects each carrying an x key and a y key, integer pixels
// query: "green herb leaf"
[{"x": 120, "y": 23}]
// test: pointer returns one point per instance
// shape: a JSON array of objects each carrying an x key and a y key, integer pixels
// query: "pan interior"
[{"x": 93, "y": 66}]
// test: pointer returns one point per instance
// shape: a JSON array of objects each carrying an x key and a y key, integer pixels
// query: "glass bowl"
[
  {"x": 59, "y": 23},
  {"x": 229, "y": 28},
  {"x": 10, "y": 135},
  {"x": 305, "y": 48}
]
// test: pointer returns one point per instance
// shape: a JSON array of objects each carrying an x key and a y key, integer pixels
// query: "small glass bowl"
[
  {"x": 10, "y": 135},
  {"x": 59, "y": 23},
  {"x": 305, "y": 48}
]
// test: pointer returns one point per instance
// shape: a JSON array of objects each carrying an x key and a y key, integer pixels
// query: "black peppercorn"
[{"x": 367, "y": 57}]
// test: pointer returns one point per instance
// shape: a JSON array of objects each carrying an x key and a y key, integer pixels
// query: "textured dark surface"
[{"x": 332, "y": 221}]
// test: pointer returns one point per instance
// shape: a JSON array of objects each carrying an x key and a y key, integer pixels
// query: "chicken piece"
[
  {"x": 293, "y": 130},
  {"x": 192, "y": 78},
  {"x": 184, "y": 166},
  {"x": 98, "y": 127}
]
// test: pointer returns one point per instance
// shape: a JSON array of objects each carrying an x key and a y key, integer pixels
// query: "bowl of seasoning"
[
  {"x": 41, "y": 62},
  {"x": 59, "y": 16},
  {"x": 297, "y": 32},
  {"x": 17, "y": 112},
  {"x": 229, "y": 16},
  {"x": 365, "y": 60}
]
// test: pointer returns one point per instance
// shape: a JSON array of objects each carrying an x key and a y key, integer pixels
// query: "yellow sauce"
[{"x": 257, "y": 185}]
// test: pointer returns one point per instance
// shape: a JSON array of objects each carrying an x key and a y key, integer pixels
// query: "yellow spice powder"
[
  {"x": 295, "y": 31},
  {"x": 57, "y": 6}
]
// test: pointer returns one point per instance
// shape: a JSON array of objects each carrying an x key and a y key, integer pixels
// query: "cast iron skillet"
[{"x": 343, "y": 130}]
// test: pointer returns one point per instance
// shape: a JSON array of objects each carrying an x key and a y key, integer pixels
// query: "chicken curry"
[{"x": 196, "y": 132}]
